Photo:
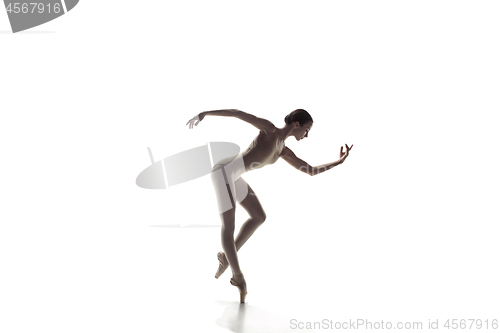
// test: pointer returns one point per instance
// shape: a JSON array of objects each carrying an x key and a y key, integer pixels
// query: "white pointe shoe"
[
  {"x": 239, "y": 281},
  {"x": 223, "y": 264}
]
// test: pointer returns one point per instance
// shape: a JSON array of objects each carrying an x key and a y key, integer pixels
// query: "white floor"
[{"x": 120, "y": 276}]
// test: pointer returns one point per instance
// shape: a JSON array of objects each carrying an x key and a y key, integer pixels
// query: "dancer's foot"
[
  {"x": 238, "y": 280},
  {"x": 223, "y": 264}
]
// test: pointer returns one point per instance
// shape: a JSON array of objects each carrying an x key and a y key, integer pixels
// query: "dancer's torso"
[{"x": 261, "y": 153}]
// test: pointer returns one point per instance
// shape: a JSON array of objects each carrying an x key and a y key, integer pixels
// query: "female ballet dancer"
[{"x": 230, "y": 187}]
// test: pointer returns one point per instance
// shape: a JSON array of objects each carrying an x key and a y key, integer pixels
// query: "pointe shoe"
[
  {"x": 223, "y": 264},
  {"x": 242, "y": 287}
]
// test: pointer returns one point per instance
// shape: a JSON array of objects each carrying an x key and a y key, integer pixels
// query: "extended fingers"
[{"x": 191, "y": 122}]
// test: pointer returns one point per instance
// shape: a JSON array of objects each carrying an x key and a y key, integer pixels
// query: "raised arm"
[
  {"x": 260, "y": 123},
  {"x": 301, "y": 165}
]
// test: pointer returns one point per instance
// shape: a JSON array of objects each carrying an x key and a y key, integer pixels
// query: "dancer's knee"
[
  {"x": 259, "y": 218},
  {"x": 228, "y": 220},
  {"x": 227, "y": 229}
]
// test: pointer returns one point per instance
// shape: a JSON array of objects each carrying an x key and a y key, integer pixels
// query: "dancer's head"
[{"x": 301, "y": 122}]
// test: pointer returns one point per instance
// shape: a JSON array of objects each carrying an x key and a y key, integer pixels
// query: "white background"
[{"x": 405, "y": 230}]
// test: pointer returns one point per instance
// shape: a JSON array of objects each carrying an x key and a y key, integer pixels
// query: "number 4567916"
[{"x": 33, "y": 7}]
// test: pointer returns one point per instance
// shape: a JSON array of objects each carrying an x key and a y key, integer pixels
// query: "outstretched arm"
[
  {"x": 261, "y": 123},
  {"x": 301, "y": 165}
]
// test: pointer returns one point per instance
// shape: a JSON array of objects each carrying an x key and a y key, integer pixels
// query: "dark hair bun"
[{"x": 300, "y": 115}]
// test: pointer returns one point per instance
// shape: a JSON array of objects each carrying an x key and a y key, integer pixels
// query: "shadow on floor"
[
  {"x": 186, "y": 226},
  {"x": 27, "y": 32},
  {"x": 245, "y": 318}
]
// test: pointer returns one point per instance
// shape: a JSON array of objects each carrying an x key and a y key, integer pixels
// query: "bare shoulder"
[
  {"x": 269, "y": 134},
  {"x": 262, "y": 124},
  {"x": 266, "y": 126}
]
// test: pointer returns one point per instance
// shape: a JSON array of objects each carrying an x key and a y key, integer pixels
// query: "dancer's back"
[{"x": 265, "y": 149}]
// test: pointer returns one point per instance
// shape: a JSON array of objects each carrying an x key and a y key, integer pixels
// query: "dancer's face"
[{"x": 302, "y": 131}]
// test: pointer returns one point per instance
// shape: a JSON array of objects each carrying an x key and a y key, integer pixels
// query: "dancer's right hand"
[
  {"x": 195, "y": 120},
  {"x": 343, "y": 155}
]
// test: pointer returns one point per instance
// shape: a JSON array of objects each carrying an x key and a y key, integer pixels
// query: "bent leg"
[{"x": 252, "y": 205}]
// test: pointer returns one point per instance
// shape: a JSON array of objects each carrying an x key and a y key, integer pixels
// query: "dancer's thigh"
[
  {"x": 225, "y": 201},
  {"x": 228, "y": 184},
  {"x": 252, "y": 205},
  {"x": 241, "y": 189}
]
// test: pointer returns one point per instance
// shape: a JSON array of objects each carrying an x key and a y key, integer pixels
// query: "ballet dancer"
[{"x": 230, "y": 187}]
